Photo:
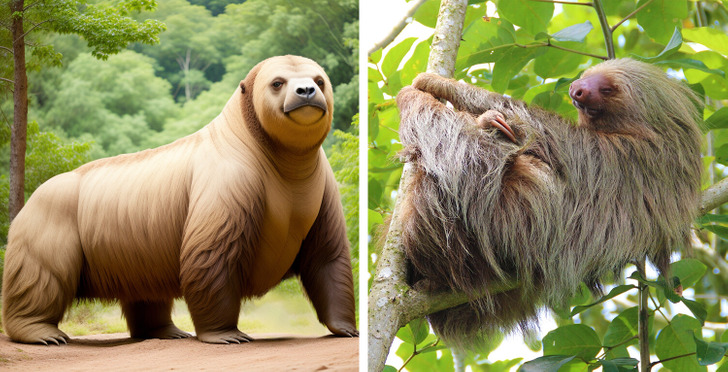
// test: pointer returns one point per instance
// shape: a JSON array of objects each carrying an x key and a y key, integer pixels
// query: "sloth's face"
[
  {"x": 594, "y": 95},
  {"x": 293, "y": 98}
]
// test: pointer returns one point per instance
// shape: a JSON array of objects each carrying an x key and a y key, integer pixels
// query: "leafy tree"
[
  {"x": 216, "y": 6},
  {"x": 530, "y": 51},
  {"x": 344, "y": 159},
  {"x": 186, "y": 50},
  {"x": 48, "y": 155},
  {"x": 106, "y": 28},
  {"x": 323, "y": 30},
  {"x": 118, "y": 103}
]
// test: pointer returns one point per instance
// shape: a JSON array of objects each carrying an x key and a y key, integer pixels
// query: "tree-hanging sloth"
[{"x": 502, "y": 191}]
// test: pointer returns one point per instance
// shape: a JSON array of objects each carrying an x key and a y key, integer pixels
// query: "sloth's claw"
[{"x": 495, "y": 119}]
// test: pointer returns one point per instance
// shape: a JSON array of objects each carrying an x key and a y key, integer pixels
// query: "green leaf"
[
  {"x": 613, "y": 365},
  {"x": 572, "y": 339},
  {"x": 710, "y": 37},
  {"x": 394, "y": 56},
  {"x": 687, "y": 63},
  {"x": 689, "y": 271},
  {"x": 616, "y": 291},
  {"x": 661, "y": 17},
  {"x": 672, "y": 46},
  {"x": 376, "y": 56},
  {"x": 532, "y": 16},
  {"x": 511, "y": 64},
  {"x": 389, "y": 368},
  {"x": 622, "y": 328},
  {"x": 427, "y": 13},
  {"x": 546, "y": 363},
  {"x": 420, "y": 329},
  {"x": 697, "y": 309},
  {"x": 432, "y": 348},
  {"x": 677, "y": 339},
  {"x": 485, "y": 42},
  {"x": 709, "y": 352},
  {"x": 375, "y": 193},
  {"x": 556, "y": 62},
  {"x": 718, "y": 119},
  {"x": 575, "y": 32},
  {"x": 498, "y": 366},
  {"x": 660, "y": 284},
  {"x": 721, "y": 231},
  {"x": 548, "y": 100},
  {"x": 417, "y": 63}
]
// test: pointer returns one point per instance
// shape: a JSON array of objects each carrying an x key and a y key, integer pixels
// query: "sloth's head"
[
  {"x": 293, "y": 100},
  {"x": 628, "y": 96}
]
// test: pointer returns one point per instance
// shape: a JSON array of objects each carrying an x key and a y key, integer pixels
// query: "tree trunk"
[
  {"x": 392, "y": 304},
  {"x": 19, "y": 129}
]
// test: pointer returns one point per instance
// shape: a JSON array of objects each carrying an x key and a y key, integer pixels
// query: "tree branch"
[
  {"x": 397, "y": 29},
  {"x": 608, "y": 41},
  {"x": 563, "y": 2},
  {"x": 669, "y": 359},
  {"x": 714, "y": 196},
  {"x": 7, "y": 80},
  {"x": 611, "y": 29},
  {"x": 643, "y": 321},
  {"x": 36, "y": 26},
  {"x": 31, "y": 5},
  {"x": 6, "y": 49},
  {"x": 548, "y": 44}
]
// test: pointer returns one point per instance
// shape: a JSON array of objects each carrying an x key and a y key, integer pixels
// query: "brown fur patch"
[{"x": 567, "y": 204}]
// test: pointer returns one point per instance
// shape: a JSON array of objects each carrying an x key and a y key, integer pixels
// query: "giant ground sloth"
[
  {"x": 558, "y": 204},
  {"x": 216, "y": 217}
]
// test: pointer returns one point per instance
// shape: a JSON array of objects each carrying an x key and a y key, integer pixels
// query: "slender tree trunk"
[
  {"x": 391, "y": 301},
  {"x": 19, "y": 129}
]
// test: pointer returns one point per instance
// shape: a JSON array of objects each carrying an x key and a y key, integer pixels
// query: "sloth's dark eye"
[
  {"x": 606, "y": 91},
  {"x": 277, "y": 84},
  {"x": 320, "y": 82}
]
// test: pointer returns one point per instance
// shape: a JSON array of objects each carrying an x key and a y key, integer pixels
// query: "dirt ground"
[{"x": 114, "y": 352}]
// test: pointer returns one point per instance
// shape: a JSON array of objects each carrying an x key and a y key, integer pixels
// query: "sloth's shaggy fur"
[{"x": 570, "y": 203}]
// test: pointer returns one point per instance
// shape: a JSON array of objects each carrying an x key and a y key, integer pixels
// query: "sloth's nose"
[{"x": 306, "y": 92}]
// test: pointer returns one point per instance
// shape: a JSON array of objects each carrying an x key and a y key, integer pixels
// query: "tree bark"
[
  {"x": 392, "y": 303},
  {"x": 18, "y": 131}
]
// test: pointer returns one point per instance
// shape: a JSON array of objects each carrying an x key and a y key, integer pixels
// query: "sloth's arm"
[
  {"x": 446, "y": 142},
  {"x": 464, "y": 97}
]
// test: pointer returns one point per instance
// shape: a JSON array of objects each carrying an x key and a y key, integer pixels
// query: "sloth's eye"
[
  {"x": 277, "y": 84},
  {"x": 320, "y": 82},
  {"x": 606, "y": 91}
]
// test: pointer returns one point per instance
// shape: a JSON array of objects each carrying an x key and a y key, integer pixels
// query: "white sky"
[{"x": 378, "y": 17}]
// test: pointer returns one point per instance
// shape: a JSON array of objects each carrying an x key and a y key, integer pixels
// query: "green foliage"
[
  {"x": 216, "y": 6},
  {"x": 185, "y": 52},
  {"x": 344, "y": 160},
  {"x": 531, "y": 51},
  {"x": 106, "y": 28},
  {"x": 48, "y": 155},
  {"x": 117, "y": 103}
]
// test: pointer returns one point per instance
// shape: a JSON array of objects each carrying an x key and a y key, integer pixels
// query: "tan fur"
[
  {"x": 221, "y": 215},
  {"x": 568, "y": 203}
]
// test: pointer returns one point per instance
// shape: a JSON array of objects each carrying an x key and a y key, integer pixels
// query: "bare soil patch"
[{"x": 113, "y": 352}]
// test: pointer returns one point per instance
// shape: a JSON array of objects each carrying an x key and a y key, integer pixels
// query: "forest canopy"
[{"x": 85, "y": 105}]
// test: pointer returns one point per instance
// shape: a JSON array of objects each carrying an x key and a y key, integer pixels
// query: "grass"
[{"x": 283, "y": 310}]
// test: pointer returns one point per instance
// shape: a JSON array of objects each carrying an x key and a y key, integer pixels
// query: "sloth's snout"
[{"x": 306, "y": 92}]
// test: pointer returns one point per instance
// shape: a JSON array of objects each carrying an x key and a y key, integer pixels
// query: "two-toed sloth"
[{"x": 507, "y": 192}]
